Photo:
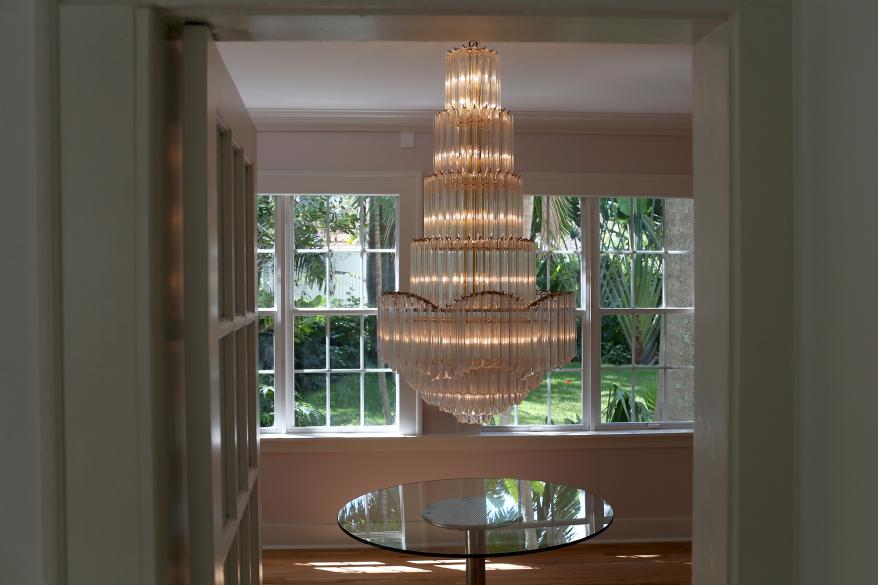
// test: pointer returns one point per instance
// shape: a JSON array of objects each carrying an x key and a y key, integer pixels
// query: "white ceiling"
[{"x": 537, "y": 77}]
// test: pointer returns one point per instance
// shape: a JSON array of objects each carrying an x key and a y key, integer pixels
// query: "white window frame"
[
  {"x": 284, "y": 184},
  {"x": 591, "y": 188}
]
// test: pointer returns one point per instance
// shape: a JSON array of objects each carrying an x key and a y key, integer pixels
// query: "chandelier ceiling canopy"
[{"x": 474, "y": 336}]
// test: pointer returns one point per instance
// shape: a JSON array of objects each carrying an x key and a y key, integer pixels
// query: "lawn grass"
[
  {"x": 646, "y": 385},
  {"x": 566, "y": 398},
  {"x": 344, "y": 399}
]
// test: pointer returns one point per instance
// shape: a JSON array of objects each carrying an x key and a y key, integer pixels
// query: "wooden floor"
[{"x": 583, "y": 564}]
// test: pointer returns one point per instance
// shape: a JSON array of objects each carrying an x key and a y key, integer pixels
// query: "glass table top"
[{"x": 475, "y": 517}]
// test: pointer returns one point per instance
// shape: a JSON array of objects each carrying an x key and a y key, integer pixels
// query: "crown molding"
[{"x": 300, "y": 120}]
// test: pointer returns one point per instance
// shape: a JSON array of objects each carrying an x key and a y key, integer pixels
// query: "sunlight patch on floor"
[
  {"x": 376, "y": 567},
  {"x": 655, "y": 559},
  {"x": 489, "y": 566},
  {"x": 340, "y": 564},
  {"x": 362, "y": 567}
]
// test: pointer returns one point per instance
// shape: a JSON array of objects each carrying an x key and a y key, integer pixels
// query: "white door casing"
[{"x": 220, "y": 321}]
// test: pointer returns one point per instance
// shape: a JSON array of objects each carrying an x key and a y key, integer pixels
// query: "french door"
[{"x": 219, "y": 291}]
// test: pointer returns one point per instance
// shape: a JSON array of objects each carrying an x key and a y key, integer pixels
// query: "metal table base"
[{"x": 475, "y": 566}]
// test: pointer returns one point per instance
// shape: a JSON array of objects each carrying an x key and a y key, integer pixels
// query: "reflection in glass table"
[{"x": 475, "y": 518}]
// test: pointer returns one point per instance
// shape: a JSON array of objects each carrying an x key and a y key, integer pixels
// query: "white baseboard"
[
  {"x": 672, "y": 529},
  {"x": 328, "y": 535},
  {"x": 306, "y": 536}
]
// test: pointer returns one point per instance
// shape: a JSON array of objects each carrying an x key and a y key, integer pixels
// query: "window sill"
[{"x": 494, "y": 441}]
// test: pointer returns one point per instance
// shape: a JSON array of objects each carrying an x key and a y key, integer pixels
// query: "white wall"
[
  {"x": 557, "y": 153},
  {"x": 27, "y": 531},
  {"x": 837, "y": 284}
]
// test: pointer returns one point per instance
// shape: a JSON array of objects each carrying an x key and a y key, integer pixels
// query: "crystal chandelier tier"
[{"x": 474, "y": 337}]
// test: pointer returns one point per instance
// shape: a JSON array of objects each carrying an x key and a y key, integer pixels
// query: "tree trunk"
[
  {"x": 374, "y": 278},
  {"x": 385, "y": 399}
]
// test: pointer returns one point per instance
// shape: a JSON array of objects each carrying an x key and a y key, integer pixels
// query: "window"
[
  {"x": 333, "y": 256},
  {"x": 266, "y": 214},
  {"x": 554, "y": 226},
  {"x": 323, "y": 259},
  {"x": 635, "y": 322},
  {"x": 646, "y": 299}
]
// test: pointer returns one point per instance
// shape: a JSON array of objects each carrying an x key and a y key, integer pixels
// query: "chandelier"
[{"x": 473, "y": 337}]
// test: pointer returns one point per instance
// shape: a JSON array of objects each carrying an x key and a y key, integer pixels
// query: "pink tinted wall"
[
  {"x": 569, "y": 153},
  {"x": 647, "y": 477}
]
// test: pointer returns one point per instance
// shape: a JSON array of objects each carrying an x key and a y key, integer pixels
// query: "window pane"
[
  {"x": 617, "y": 334},
  {"x": 265, "y": 276},
  {"x": 370, "y": 342},
  {"x": 648, "y": 280},
  {"x": 616, "y": 391},
  {"x": 679, "y": 280},
  {"x": 344, "y": 222},
  {"x": 347, "y": 277},
  {"x": 309, "y": 222},
  {"x": 614, "y": 224},
  {"x": 335, "y": 267},
  {"x": 344, "y": 400},
  {"x": 679, "y": 221},
  {"x": 679, "y": 342},
  {"x": 554, "y": 222},
  {"x": 649, "y": 223},
  {"x": 266, "y": 342},
  {"x": 266, "y": 400},
  {"x": 566, "y": 275},
  {"x": 505, "y": 418},
  {"x": 560, "y": 223},
  {"x": 309, "y": 282},
  {"x": 577, "y": 360},
  {"x": 615, "y": 280},
  {"x": 310, "y": 400},
  {"x": 566, "y": 398},
  {"x": 380, "y": 398},
  {"x": 533, "y": 228},
  {"x": 265, "y": 214},
  {"x": 344, "y": 342},
  {"x": 309, "y": 342},
  {"x": 543, "y": 262},
  {"x": 532, "y": 410},
  {"x": 380, "y": 275},
  {"x": 573, "y": 225},
  {"x": 381, "y": 222},
  {"x": 647, "y": 343},
  {"x": 680, "y": 395},
  {"x": 646, "y": 389}
]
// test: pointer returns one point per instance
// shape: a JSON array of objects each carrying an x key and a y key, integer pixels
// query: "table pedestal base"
[
  {"x": 475, "y": 571},
  {"x": 475, "y": 566}
]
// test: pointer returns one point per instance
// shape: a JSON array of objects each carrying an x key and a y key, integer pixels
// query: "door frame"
[{"x": 746, "y": 446}]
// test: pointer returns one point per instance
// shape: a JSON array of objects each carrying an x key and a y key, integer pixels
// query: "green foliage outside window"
[
  {"x": 337, "y": 227},
  {"x": 628, "y": 280}
]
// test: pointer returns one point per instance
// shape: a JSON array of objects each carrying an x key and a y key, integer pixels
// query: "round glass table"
[{"x": 475, "y": 518}]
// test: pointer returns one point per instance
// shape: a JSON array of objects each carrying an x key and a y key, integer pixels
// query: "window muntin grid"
[
  {"x": 674, "y": 370},
  {"x": 645, "y": 297},
  {"x": 343, "y": 253},
  {"x": 266, "y": 218},
  {"x": 661, "y": 310}
]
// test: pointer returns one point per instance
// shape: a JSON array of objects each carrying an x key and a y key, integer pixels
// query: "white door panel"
[{"x": 219, "y": 287}]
